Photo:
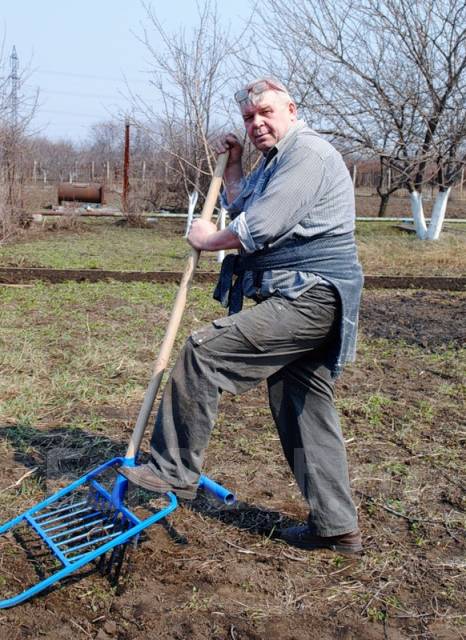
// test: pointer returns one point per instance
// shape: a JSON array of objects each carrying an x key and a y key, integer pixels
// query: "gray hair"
[{"x": 252, "y": 92}]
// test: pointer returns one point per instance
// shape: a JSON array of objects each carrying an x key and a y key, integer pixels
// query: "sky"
[{"x": 84, "y": 55}]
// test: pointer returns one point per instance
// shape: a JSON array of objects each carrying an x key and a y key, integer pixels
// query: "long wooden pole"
[{"x": 175, "y": 318}]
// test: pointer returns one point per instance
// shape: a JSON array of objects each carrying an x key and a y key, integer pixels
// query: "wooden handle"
[
  {"x": 176, "y": 315},
  {"x": 180, "y": 300}
]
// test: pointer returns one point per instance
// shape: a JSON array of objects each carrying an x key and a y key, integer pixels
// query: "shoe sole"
[
  {"x": 338, "y": 548},
  {"x": 186, "y": 494}
]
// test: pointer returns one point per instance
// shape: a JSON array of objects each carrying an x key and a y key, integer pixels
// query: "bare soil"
[{"x": 216, "y": 572}]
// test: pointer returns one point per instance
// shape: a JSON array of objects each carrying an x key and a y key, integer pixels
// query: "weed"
[
  {"x": 376, "y": 615},
  {"x": 338, "y": 561},
  {"x": 397, "y": 468},
  {"x": 374, "y": 408},
  {"x": 196, "y": 603}
]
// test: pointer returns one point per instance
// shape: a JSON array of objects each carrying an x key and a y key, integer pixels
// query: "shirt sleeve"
[
  {"x": 290, "y": 194},
  {"x": 240, "y": 228}
]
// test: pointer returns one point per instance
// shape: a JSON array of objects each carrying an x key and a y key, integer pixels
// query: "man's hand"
[
  {"x": 229, "y": 142},
  {"x": 204, "y": 236},
  {"x": 234, "y": 170}
]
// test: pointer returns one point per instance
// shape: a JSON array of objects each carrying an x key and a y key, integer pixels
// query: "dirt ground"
[{"x": 216, "y": 572}]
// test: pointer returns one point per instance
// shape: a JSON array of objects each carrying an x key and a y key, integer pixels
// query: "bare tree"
[
  {"x": 384, "y": 75},
  {"x": 190, "y": 72}
]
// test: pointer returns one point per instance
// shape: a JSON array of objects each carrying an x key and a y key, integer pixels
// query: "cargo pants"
[{"x": 283, "y": 342}]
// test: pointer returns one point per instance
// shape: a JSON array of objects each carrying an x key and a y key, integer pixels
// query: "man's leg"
[
  {"x": 302, "y": 404},
  {"x": 233, "y": 354}
]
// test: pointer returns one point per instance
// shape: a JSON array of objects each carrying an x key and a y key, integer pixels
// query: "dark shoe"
[
  {"x": 302, "y": 537},
  {"x": 143, "y": 476}
]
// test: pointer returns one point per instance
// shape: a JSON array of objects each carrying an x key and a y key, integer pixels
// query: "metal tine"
[
  {"x": 70, "y": 522},
  {"x": 67, "y": 507},
  {"x": 71, "y": 514},
  {"x": 74, "y": 529},
  {"x": 84, "y": 535},
  {"x": 88, "y": 544}
]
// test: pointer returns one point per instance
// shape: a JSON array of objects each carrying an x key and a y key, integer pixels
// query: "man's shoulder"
[{"x": 308, "y": 139}]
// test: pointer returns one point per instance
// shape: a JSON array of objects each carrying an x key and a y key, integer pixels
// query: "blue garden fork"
[{"x": 88, "y": 519}]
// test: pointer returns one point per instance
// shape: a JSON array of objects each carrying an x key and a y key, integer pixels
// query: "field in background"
[
  {"x": 75, "y": 360},
  {"x": 150, "y": 196},
  {"x": 101, "y": 244}
]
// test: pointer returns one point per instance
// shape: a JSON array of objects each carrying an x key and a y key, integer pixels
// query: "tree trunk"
[
  {"x": 438, "y": 215},
  {"x": 418, "y": 214},
  {"x": 384, "y": 198}
]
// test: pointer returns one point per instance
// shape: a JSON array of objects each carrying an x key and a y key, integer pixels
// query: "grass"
[
  {"x": 100, "y": 245},
  {"x": 75, "y": 360},
  {"x": 71, "y": 347}
]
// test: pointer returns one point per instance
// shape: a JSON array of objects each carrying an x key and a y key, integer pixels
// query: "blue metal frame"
[{"x": 104, "y": 512}]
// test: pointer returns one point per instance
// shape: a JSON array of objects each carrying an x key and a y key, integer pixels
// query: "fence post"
[{"x": 126, "y": 168}]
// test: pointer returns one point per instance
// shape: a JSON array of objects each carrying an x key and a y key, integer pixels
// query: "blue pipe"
[{"x": 217, "y": 490}]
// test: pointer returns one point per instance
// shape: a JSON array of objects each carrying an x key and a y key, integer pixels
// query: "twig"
[
  {"x": 17, "y": 286},
  {"x": 295, "y": 558},
  {"x": 80, "y": 628},
  {"x": 247, "y": 551},
  {"x": 20, "y": 480},
  {"x": 366, "y": 606}
]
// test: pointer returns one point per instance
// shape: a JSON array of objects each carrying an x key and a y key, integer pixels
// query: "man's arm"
[{"x": 205, "y": 237}]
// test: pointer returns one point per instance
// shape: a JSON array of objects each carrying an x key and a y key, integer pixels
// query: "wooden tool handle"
[{"x": 176, "y": 315}]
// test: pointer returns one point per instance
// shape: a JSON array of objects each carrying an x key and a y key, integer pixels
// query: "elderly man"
[{"x": 293, "y": 223}]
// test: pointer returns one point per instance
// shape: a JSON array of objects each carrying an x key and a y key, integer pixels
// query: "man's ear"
[{"x": 292, "y": 109}]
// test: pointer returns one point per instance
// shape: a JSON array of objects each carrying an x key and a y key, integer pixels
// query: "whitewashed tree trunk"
[
  {"x": 438, "y": 215},
  {"x": 418, "y": 214}
]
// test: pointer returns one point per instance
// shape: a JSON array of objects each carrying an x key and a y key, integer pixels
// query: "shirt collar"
[{"x": 287, "y": 139}]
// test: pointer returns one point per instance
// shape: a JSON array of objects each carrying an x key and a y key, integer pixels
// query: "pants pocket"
[{"x": 206, "y": 334}]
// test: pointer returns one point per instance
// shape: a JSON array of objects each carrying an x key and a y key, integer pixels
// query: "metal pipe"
[{"x": 126, "y": 169}]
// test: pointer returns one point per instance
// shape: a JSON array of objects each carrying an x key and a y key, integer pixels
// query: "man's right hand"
[{"x": 229, "y": 142}]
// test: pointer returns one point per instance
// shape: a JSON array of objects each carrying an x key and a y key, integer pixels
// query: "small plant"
[
  {"x": 376, "y": 615},
  {"x": 196, "y": 603},
  {"x": 397, "y": 468},
  {"x": 338, "y": 561},
  {"x": 374, "y": 408}
]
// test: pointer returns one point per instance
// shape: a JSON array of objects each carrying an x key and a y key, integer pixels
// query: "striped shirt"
[{"x": 301, "y": 189}]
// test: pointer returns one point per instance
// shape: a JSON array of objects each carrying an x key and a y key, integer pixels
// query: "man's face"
[{"x": 268, "y": 120}]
